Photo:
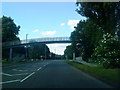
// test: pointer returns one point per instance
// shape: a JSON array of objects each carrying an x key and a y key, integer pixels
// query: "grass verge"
[{"x": 109, "y": 75}]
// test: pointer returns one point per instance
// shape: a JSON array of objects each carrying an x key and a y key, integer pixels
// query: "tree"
[
  {"x": 9, "y": 33},
  {"x": 52, "y": 55},
  {"x": 9, "y": 30},
  {"x": 38, "y": 51},
  {"x": 68, "y": 53},
  {"x": 85, "y": 38},
  {"x": 105, "y": 14},
  {"x": 108, "y": 52}
]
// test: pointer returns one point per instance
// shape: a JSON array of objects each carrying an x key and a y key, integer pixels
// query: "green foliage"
[
  {"x": 105, "y": 14},
  {"x": 84, "y": 38},
  {"x": 68, "y": 53},
  {"x": 108, "y": 51},
  {"x": 39, "y": 51},
  {"x": 9, "y": 29},
  {"x": 10, "y": 33},
  {"x": 102, "y": 18},
  {"x": 100, "y": 71}
]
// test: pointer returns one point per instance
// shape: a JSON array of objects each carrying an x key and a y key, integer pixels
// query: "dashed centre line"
[
  {"x": 20, "y": 80},
  {"x": 27, "y": 77},
  {"x": 39, "y": 68}
]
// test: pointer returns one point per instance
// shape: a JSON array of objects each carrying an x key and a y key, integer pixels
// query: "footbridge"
[{"x": 35, "y": 41}]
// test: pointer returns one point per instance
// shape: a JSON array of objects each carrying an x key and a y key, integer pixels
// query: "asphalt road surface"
[{"x": 48, "y": 74}]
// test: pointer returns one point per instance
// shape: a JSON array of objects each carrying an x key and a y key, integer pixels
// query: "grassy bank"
[{"x": 108, "y": 74}]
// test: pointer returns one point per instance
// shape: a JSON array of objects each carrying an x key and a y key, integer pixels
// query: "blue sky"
[{"x": 43, "y": 19}]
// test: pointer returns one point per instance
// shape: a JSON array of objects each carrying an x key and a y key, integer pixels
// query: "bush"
[{"x": 108, "y": 51}]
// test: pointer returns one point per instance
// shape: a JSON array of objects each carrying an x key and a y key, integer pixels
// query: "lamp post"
[
  {"x": 55, "y": 53},
  {"x": 45, "y": 52},
  {"x": 26, "y": 45}
]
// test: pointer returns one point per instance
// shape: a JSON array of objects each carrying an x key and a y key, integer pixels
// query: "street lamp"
[
  {"x": 55, "y": 53},
  {"x": 26, "y": 45},
  {"x": 45, "y": 52}
]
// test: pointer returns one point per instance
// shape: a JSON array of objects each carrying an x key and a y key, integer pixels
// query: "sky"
[{"x": 44, "y": 19}]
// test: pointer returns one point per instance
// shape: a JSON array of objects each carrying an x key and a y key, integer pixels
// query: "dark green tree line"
[
  {"x": 10, "y": 32},
  {"x": 38, "y": 51},
  {"x": 103, "y": 20}
]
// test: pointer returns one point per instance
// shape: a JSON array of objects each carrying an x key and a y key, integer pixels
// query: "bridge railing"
[
  {"x": 36, "y": 40},
  {"x": 46, "y": 39}
]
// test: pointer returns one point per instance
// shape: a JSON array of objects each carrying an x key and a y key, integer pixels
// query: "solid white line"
[
  {"x": 27, "y": 77},
  {"x": 39, "y": 68},
  {"x": 10, "y": 81}
]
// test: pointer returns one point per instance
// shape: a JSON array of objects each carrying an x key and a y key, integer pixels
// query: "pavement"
[
  {"x": 48, "y": 74},
  {"x": 79, "y": 60}
]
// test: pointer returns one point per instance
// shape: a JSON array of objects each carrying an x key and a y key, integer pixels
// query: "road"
[{"x": 48, "y": 74}]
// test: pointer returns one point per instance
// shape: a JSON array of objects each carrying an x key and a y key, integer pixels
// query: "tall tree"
[
  {"x": 68, "y": 53},
  {"x": 9, "y": 29},
  {"x": 85, "y": 38},
  {"x": 105, "y": 14},
  {"x": 39, "y": 51},
  {"x": 10, "y": 33}
]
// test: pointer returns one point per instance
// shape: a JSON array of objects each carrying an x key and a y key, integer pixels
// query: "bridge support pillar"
[{"x": 10, "y": 56}]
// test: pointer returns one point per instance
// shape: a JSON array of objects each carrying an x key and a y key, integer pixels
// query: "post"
[
  {"x": 66, "y": 57},
  {"x": 26, "y": 45},
  {"x": 73, "y": 56},
  {"x": 10, "y": 57},
  {"x": 45, "y": 52},
  {"x": 55, "y": 53}
]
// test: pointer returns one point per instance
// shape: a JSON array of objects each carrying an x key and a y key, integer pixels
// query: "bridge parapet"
[
  {"x": 47, "y": 39},
  {"x": 36, "y": 40}
]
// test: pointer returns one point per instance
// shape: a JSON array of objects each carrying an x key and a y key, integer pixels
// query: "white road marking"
[
  {"x": 19, "y": 70},
  {"x": 39, "y": 68},
  {"x": 13, "y": 74},
  {"x": 19, "y": 74},
  {"x": 27, "y": 77},
  {"x": 6, "y": 74},
  {"x": 10, "y": 81}
]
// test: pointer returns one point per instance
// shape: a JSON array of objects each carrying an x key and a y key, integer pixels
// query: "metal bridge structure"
[{"x": 35, "y": 41}]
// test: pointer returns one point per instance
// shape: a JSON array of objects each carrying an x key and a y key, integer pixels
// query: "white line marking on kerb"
[
  {"x": 39, "y": 68},
  {"x": 10, "y": 81},
  {"x": 27, "y": 77}
]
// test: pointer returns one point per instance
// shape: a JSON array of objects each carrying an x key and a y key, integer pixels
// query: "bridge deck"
[{"x": 37, "y": 41}]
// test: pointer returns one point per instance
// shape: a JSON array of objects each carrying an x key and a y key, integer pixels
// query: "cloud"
[
  {"x": 72, "y": 23},
  {"x": 48, "y": 33},
  {"x": 36, "y": 30},
  {"x": 62, "y": 24},
  {"x": 57, "y": 48}
]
